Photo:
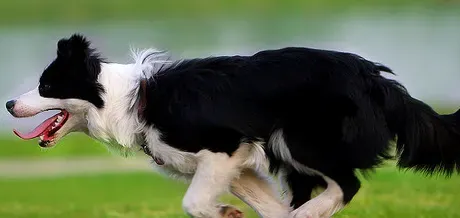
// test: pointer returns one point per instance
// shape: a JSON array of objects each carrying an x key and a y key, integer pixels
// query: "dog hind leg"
[
  {"x": 259, "y": 194},
  {"x": 338, "y": 193}
]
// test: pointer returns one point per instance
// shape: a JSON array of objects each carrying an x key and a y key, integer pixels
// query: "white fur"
[
  {"x": 178, "y": 163},
  {"x": 118, "y": 124},
  {"x": 324, "y": 205},
  {"x": 258, "y": 159},
  {"x": 115, "y": 123},
  {"x": 212, "y": 178},
  {"x": 146, "y": 63},
  {"x": 285, "y": 191},
  {"x": 31, "y": 103},
  {"x": 149, "y": 61},
  {"x": 280, "y": 150}
]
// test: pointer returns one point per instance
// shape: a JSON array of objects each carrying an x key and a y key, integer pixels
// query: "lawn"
[
  {"x": 75, "y": 144},
  {"x": 85, "y": 11},
  {"x": 389, "y": 193},
  {"x": 108, "y": 195}
]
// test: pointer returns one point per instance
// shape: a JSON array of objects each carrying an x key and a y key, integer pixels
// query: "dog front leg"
[{"x": 212, "y": 178}]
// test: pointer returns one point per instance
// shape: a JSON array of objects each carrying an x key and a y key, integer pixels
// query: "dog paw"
[{"x": 227, "y": 211}]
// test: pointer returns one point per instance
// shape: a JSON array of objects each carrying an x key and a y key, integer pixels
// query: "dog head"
[
  {"x": 69, "y": 84},
  {"x": 98, "y": 98}
]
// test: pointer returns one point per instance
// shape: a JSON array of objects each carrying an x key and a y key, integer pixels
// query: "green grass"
[
  {"x": 388, "y": 193},
  {"x": 70, "y": 146},
  {"x": 83, "y": 11},
  {"x": 393, "y": 193},
  {"x": 109, "y": 195}
]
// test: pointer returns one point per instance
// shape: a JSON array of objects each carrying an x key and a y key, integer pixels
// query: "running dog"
[{"x": 310, "y": 117}]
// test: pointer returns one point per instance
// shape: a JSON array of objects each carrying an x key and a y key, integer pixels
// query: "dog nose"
[{"x": 10, "y": 105}]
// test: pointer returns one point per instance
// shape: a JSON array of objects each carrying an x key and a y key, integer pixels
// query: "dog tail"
[{"x": 425, "y": 140}]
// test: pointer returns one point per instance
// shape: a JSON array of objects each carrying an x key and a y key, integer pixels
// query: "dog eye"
[{"x": 44, "y": 88}]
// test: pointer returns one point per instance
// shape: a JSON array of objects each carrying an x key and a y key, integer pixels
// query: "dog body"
[{"x": 312, "y": 117}]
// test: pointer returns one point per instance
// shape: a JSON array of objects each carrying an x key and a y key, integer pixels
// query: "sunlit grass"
[
  {"x": 389, "y": 193},
  {"x": 70, "y": 146},
  {"x": 108, "y": 195},
  {"x": 85, "y": 11}
]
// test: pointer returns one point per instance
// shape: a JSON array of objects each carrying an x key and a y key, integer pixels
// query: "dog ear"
[
  {"x": 77, "y": 55},
  {"x": 63, "y": 48},
  {"x": 77, "y": 47}
]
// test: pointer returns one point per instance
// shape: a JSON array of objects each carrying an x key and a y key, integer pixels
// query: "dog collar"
[
  {"x": 147, "y": 151},
  {"x": 142, "y": 98},
  {"x": 140, "y": 111}
]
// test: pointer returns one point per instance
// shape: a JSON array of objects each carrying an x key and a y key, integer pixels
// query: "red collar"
[
  {"x": 142, "y": 97},
  {"x": 147, "y": 151},
  {"x": 140, "y": 111}
]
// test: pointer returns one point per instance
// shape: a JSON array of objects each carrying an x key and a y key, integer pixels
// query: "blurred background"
[{"x": 418, "y": 39}]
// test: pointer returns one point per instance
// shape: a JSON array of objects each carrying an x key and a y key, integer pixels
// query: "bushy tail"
[{"x": 426, "y": 141}]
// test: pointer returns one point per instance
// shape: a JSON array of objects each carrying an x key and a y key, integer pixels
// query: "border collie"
[{"x": 312, "y": 118}]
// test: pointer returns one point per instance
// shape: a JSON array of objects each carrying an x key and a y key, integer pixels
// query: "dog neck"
[
  {"x": 141, "y": 104},
  {"x": 117, "y": 123},
  {"x": 125, "y": 99}
]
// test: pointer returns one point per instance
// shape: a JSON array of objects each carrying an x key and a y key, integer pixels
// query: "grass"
[
  {"x": 388, "y": 193},
  {"x": 108, "y": 195},
  {"x": 83, "y": 11},
  {"x": 70, "y": 146}
]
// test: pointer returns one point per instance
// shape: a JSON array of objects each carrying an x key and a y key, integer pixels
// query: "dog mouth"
[{"x": 47, "y": 129}]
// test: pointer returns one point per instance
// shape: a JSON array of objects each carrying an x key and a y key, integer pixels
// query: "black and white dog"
[{"x": 311, "y": 117}]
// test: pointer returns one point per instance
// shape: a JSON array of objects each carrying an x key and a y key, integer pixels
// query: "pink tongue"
[{"x": 39, "y": 130}]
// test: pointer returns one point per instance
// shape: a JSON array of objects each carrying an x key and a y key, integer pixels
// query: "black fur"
[
  {"x": 337, "y": 112},
  {"x": 74, "y": 72},
  {"x": 302, "y": 186}
]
